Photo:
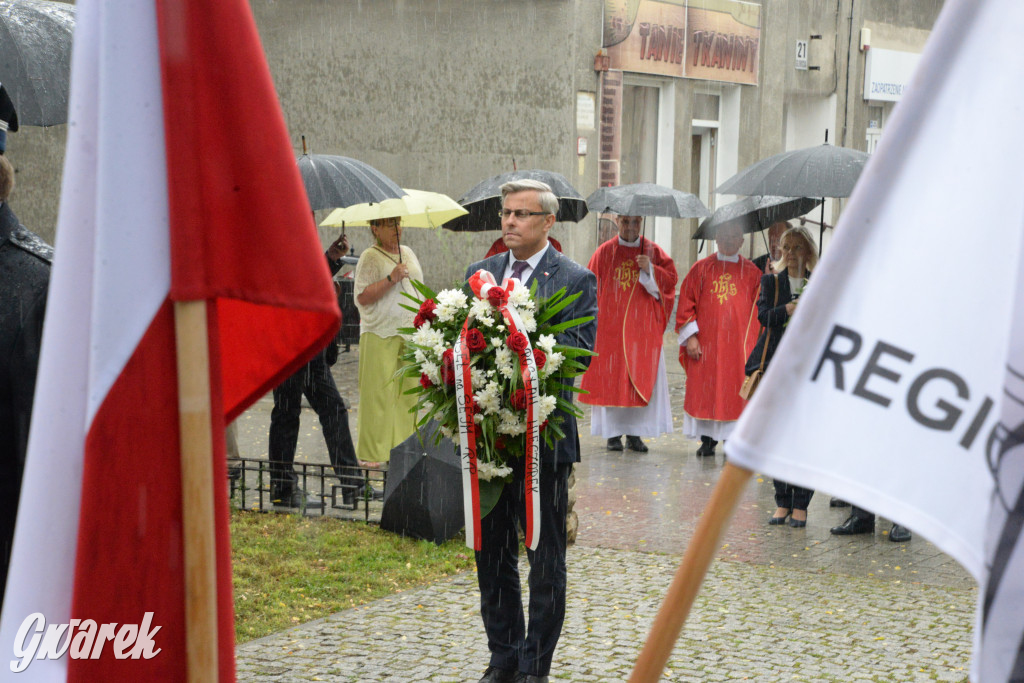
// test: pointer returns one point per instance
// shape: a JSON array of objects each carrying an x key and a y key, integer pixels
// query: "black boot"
[{"x": 615, "y": 443}]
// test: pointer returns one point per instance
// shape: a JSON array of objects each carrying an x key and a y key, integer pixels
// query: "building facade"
[{"x": 440, "y": 94}]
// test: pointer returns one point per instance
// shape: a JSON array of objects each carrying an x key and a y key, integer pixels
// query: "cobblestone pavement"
[{"x": 778, "y": 604}]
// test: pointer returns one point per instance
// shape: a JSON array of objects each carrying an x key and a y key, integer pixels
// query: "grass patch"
[{"x": 289, "y": 569}]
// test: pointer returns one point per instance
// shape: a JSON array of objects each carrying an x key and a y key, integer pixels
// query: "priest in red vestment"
[
  {"x": 716, "y": 301},
  {"x": 636, "y": 282}
]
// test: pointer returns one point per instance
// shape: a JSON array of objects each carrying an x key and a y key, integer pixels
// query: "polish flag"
[{"x": 180, "y": 185}]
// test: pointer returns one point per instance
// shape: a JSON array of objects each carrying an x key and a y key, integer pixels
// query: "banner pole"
[
  {"x": 686, "y": 583},
  {"x": 195, "y": 425}
]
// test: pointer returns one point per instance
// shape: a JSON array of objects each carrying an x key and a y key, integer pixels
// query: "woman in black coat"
[{"x": 775, "y": 305}]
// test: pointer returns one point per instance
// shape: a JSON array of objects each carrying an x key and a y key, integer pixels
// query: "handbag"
[{"x": 751, "y": 381}]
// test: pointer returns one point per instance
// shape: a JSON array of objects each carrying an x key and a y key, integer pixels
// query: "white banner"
[{"x": 887, "y": 385}]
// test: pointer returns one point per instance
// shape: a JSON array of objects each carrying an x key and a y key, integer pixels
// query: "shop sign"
[
  {"x": 717, "y": 40},
  {"x": 887, "y": 74}
]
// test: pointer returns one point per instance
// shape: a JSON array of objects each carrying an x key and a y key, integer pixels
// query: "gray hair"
[
  {"x": 800, "y": 232},
  {"x": 548, "y": 200}
]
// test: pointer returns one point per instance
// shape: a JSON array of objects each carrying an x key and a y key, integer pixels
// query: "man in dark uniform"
[
  {"x": 313, "y": 379},
  {"x": 25, "y": 275}
]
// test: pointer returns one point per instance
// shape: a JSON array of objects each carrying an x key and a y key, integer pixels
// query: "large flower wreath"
[{"x": 492, "y": 373}]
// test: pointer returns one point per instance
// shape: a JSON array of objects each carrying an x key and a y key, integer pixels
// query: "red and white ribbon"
[{"x": 481, "y": 283}]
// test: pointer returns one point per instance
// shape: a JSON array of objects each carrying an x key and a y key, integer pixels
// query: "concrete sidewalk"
[{"x": 779, "y": 603}]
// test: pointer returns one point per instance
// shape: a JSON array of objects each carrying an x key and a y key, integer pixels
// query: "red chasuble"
[
  {"x": 630, "y": 325},
  {"x": 721, "y": 297}
]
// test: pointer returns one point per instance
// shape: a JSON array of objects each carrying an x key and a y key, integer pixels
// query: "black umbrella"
[
  {"x": 423, "y": 494},
  {"x": 335, "y": 181},
  {"x": 646, "y": 199},
  {"x": 484, "y": 201},
  {"x": 35, "y": 58},
  {"x": 822, "y": 171},
  {"x": 755, "y": 213}
]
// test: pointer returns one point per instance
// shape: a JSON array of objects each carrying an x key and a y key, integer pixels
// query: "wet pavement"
[{"x": 778, "y": 604}]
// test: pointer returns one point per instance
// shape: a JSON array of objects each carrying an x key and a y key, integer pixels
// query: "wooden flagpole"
[
  {"x": 195, "y": 424},
  {"x": 686, "y": 583}
]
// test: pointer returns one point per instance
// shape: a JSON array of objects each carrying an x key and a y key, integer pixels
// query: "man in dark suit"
[
  {"x": 25, "y": 274},
  {"x": 518, "y": 653}
]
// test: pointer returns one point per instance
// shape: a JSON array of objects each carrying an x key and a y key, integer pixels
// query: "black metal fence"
[{"x": 249, "y": 480}]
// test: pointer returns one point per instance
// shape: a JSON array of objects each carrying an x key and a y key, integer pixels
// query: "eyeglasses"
[{"x": 521, "y": 213}]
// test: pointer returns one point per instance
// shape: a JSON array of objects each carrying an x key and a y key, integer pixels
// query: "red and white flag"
[
  {"x": 179, "y": 184},
  {"x": 887, "y": 389}
]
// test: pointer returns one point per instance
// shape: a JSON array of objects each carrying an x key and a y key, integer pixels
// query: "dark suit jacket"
[
  {"x": 25, "y": 274},
  {"x": 772, "y": 316},
  {"x": 555, "y": 271}
]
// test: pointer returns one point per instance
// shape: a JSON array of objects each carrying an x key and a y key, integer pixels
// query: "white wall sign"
[
  {"x": 585, "y": 108},
  {"x": 801, "y": 55},
  {"x": 887, "y": 74}
]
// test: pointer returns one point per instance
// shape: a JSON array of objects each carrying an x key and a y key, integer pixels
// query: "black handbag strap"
[{"x": 768, "y": 330}]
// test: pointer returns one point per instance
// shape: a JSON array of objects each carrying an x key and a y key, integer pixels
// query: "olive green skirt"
[{"x": 383, "y": 420}]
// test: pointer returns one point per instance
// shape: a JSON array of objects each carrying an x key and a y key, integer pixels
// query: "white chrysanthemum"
[
  {"x": 503, "y": 361},
  {"x": 478, "y": 377},
  {"x": 520, "y": 298},
  {"x": 432, "y": 371},
  {"x": 554, "y": 362},
  {"x": 446, "y": 314},
  {"x": 497, "y": 342},
  {"x": 422, "y": 336},
  {"x": 420, "y": 356},
  {"x": 454, "y": 298},
  {"x": 480, "y": 307},
  {"x": 529, "y": 322},
  {"x": 546, "y": 342},
  {"x": 488, "y": 470},
  {"x": 545, "y": 407},
  {"x": 478, "y": 417},
  {"x": 488, "y": 399},
  {"x": 509, "y": 423},
  {"x": 447, "y": 432}
]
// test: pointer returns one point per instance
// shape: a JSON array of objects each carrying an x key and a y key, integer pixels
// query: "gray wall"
[{"x": 439, "y": 95}]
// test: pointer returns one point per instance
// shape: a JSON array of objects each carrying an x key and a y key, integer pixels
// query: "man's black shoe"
[
  {"x": 615, "y": 443},
  {"x": 235, "y": 472},
  {"x": 297, "y": 499},
  {"x": 496, "y": 675},
  {"x": 374, "y": 494},
  {"x": 635, "y": 443},
  {"x": 838, "y": 503},
  {"x": 530, "y": 678},
  {"x": 855, "y": 525},
  {"x": 899, "y": 534}
]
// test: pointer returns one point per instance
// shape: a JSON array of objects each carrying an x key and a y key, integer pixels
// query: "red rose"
[
  {"x": 448, "y": 367},
  {"x": 419, "y": 321},
  {"x": 427, "y": 309},
  {"x": 539, "y": 358},
  {"x": 517, "y": 341},
  {"x": 475, "y": 341},
  {"x": 499, "y": 443},
  {"x": 425, "y": 381},
  {"x": 478, "y": 431},
  {"x": 519, "y": 399},
  {"x": 497, "y": 297}
]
